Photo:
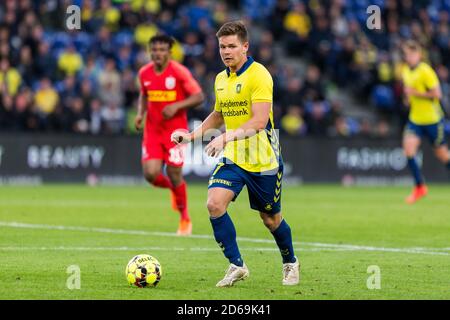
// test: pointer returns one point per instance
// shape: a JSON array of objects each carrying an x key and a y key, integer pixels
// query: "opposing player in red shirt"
[{"x": 167, "y": 91}]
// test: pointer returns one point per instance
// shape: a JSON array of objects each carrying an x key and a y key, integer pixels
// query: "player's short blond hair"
[{"x": 234, "y": 28}]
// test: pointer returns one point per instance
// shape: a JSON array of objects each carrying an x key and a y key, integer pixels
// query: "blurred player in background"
[
  {"x": 167, "y": 91},
  {"x": 426, "y": 118},
  {"x": 244, "y": 94}
]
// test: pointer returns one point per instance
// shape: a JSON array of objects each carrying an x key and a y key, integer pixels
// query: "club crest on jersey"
[
  {"x": 238, "y": 88},
  {"x": 170, "y": 82}
]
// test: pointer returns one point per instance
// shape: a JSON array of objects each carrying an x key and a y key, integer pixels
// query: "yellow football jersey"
[
  {"x": 235, "y": 94},
  {"x": 423, "y": 111}
]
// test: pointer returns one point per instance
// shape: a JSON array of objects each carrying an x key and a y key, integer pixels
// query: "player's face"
[
  {"x": 412, "y": 57},
  {"x": 232, "y": 51},
  {"x": 160, "y": 53}
]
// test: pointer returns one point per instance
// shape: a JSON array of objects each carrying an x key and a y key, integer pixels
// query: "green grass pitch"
[{"x": 338, "y": 233}]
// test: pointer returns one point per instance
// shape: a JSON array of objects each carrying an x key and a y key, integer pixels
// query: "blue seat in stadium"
[{"x": 383, "y": 97}]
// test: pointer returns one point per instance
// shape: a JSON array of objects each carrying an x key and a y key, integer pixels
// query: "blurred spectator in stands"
[
  {"x": 298, "y": 24},
  {"x": 345, "y": 68},
  {"x": 320, "y": 40},
  {"x": 292, "y": 95},
  {"x": 113, "y": 118},
  {"x": 26, "y": 65},
  {"x": 340, "y": 128},
  {"x": 77, "y": 120},
  {"x": 10, "y": 78},
  {"x": 198, "y": 11},
  {"x": 125, "y": 58},
  {"x": 220, "y": 13},
  {"x": 67, "y": 88},
  {"x": 109, "y": 14},
  {"x": 128, "y": 18},
  {"x": 7, "y": 113},
  {"x": 277, "y": 18},
  {"x": 95, "y": 115},
  {"x": 365, "y": 129},
  {"x": 46, "y": 97},
  {"x": 292, "y": 122},
  {"x": 91, "y": 71},
  {"x": 87, "y": 93},
  {"x": 316, "y": 117},
  {"x": 144, "y": 31},
  {"x": 110, "y": 83},
  {"x": 129, "y": 89},
  {"x": 27, "y": 115},
  {"x": 44, "y": 63},
  {"x": 5, "y": 50},
  {"x": 382, "y": 129},
  {"x": 313, "y": 88},
  {"x": 385, "y": 72},
  {"x": 263, "y": 51},
  {"x": 70, "y": 61},
  {"x": 191, "y": 45}
]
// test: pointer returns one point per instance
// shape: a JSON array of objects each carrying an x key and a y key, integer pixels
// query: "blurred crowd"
[
  {"x": 336, "y": 37},
  {"x": 57, "y": 80}
]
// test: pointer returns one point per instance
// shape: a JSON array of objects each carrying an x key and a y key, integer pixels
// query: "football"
[{"x": 143, "y": 271}]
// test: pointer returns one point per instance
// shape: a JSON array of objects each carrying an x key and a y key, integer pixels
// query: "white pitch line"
[
  {"x": 147, "y": 249},
  {"x": 328, "y": 246}
]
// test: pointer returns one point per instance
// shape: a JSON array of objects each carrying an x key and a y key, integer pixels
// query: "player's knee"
[
  {"x": 175, "y": 178},
  {"x": 271, "y": 222},
  {"x": 409, "y": 152},
  {"x": 215, "y": 207},
  {"x": 443, "y": 156},
  {"x": 150, "y": 176}
]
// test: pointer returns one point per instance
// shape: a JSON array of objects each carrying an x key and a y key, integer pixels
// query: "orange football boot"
[
  {"x": 185, "y": 228},
  {"x": 417, "y": 193}
]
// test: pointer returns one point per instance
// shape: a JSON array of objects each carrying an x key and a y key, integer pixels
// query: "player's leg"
[
  {"x": 152, "y": 170},
  {"x": 179, "y": 192},
  {"x": 152, "y": 162},
  {"x": 442, "y": 153},
  {"x": 225, "y": 235},
  {"x": 224, "y": 186},
  {"x": 264, "y": 191},
  {"x": 437, "y": 137},
  {"x": 282, "y": 234},
  {"x": 223, "y": 227},
  {"x": 411, "y": 143}
]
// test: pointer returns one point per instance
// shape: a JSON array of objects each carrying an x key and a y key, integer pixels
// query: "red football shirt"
[{"x": 174, "y": 84}]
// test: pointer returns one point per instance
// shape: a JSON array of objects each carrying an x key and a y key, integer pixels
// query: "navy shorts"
[
  {"x": 264, "y": 190},
  {"x": 434, "y": 132}
]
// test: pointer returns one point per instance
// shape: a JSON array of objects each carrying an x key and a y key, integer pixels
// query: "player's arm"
[
  {"x": 141, "y": 109},
  {"x": 433, "y": 93},
  {"x": 431, "y": 81},
  {"x": 190, "y": 102},
  {"x": 258, "y": 122},
  {"x": 213, "y": 121}
]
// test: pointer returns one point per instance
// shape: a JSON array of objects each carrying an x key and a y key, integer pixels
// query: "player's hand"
[
  {"x": 180, "y": 137},
  {"x": 138, "y": 122},
  {"x": 409, "y": 91},
  {"x": 216, "y": 146},
  {"x": 169, "y": 111}
]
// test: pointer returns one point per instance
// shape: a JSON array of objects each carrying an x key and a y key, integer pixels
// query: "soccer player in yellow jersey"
[
  {"x": 422, "y": 91},
  {"x": 251, "y": 155}
]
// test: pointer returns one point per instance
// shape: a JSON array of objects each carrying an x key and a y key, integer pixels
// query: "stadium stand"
[{"x": 56, "y": 80}]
